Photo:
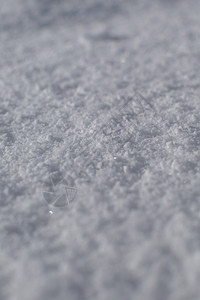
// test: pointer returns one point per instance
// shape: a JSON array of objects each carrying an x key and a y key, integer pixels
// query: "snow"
[{"x": 105, "y": 93}]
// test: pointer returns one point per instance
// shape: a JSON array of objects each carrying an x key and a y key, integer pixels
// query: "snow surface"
[{"x": 106, "y": 93}]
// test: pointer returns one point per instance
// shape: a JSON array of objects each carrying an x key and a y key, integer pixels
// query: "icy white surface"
[{"x": 107, "y": 92}]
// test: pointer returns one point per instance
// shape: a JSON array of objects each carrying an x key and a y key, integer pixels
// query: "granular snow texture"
[{"x": 104, "y": 94}]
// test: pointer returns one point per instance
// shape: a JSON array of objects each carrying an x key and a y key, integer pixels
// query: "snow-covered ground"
[{"x": 101, "y": 98}]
